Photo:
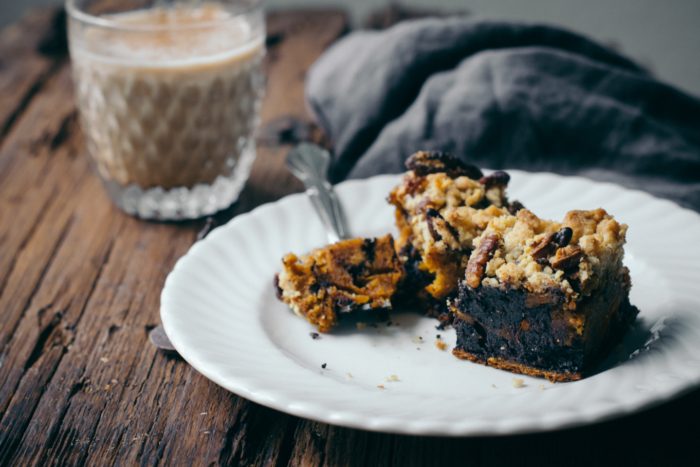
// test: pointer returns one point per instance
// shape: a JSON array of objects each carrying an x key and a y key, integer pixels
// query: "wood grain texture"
[{"x": 79, "y": 291}]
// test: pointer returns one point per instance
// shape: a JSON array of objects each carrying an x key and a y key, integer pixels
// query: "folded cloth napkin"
[{"x": 504, "y": 95}]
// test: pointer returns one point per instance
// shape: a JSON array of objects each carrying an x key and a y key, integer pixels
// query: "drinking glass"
[{"x": 169, "y": 95}]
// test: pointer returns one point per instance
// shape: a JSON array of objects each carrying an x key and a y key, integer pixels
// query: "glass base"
[{"x": 183, "y": 203}]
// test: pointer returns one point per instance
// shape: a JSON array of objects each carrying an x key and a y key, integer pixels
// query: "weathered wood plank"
[
  {"x": 23, "y": 68},
  {"x": 83, "y": 385}
]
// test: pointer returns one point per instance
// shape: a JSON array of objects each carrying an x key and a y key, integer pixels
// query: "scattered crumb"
[
  {"x": 417, "y": 348},
  {"x": 517, "y": 382},
  {"x": 503, "y": 348},
  {"x": 380, "y": 387},
  {"x": 493, "y": 386},
  {"x": 361, "y": 325},
  {"x": 438, "y": 336},
  {"x": 394, "y": 377},
  {"x": 386, "y": 378},
  {"x": 107, "y": 387},
  {"x": 373, "y": 344},
  {"x": 104, "y": 359},
  {"x": 440, "y": 344},
  {"x": 418, "y": 340},
  {"x": 206, "y": 432},
  {"x": 323, "y": 366},
  {"x": 114, "y": 381},
  {"x": 314, "y": 335},
  {"x": 541, "y": 387},
  {"x": 349, "y": 375},
  {"x": 203, "y": 413}
]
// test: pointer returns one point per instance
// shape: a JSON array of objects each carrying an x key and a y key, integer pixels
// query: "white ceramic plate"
[{"x": 219, "y": 310}]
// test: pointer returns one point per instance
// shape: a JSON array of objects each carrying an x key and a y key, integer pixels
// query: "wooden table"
[{"x": 79, "y": 290}]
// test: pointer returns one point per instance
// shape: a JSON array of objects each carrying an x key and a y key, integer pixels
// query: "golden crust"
[
  {"x": 355, "y": 271},
  {"x": 501, "y": 364}
]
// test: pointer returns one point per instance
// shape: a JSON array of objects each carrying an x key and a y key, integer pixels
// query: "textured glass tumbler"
[{"x": 169, "y": 96}]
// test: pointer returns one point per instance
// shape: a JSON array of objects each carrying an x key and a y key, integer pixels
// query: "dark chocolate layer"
[{"x": 499, "y": 323}]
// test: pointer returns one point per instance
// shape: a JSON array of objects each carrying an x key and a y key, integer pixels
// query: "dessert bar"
[
  {"x": 544, "y": 298},
  {"x": 351, "y": 275}
]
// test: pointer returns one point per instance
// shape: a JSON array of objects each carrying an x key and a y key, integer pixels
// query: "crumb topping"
[
  {"x": 542, "y": 256},
  {"x": 440, "y": 210}
]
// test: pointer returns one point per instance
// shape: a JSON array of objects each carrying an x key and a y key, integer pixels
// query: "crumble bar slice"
[
  {"x": 442, "y": 205},
  {"x": 349, "y": 275},
  {"x": 545, "y": 298}
]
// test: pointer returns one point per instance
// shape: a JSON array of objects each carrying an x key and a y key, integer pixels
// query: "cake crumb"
[
  {"x": 493, "y": 386},
  {"x": 518, "y": 382},
  {"x": 541, "y": 387},
  {"x": 380, "y": 387},
  {"x": 349, "y": 375},
  {"x": 386, "y": 378},
  {"x": 418, "y": 340},
  {"x": 503, "y": 348},
  {"x": 314, "y": 335},
  {"x": 361, "y": 325},
  {"x": 373, "y": 344},
  {"x": 440, "y": 344},
  {"x": 394, "y": 377},
  {"x": 104, "y": 359},
  {"x": 323, "y": 366}
]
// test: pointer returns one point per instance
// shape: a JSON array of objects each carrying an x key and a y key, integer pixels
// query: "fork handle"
[{"x": 309, "y": 163}]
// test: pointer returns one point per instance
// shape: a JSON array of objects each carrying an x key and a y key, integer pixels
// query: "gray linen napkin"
[{"x": 504, "y": 95}]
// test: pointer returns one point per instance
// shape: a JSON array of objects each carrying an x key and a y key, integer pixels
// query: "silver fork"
[{"x": 309, "y": 163}]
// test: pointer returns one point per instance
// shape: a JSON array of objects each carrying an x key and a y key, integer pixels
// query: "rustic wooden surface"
[{"x": 79, "y": 289}]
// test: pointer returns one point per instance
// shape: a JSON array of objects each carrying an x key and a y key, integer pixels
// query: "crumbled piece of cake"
[
  {"x": 356, "y": 274},
  {"x": 442, "y": 205},
  {"x": 544, "y": 298}
]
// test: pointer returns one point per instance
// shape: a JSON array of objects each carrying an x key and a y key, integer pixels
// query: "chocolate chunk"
[
  {"x": 514, "y": 207},
  {"x": 499, "y": 178},
  {"x": 477, "y": 264},
  {"x": 278, "y": 289},
  {"x": 429, "y": 162},
  {"x": 550, "y": 243},
  {"x": 430, "y": 215},
  {"x": 434, "y": 220},
  {"x": 568, "y": 257},
  {"x": 563, "y": 236}
]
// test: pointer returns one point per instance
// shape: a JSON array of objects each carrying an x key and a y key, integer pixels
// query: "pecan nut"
[
  {"x": 477, "y": 264},
  {"x": 551, "y": 242},
  {"x": 429, "y": 162},
  {"x": 567, "y": 257}
]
